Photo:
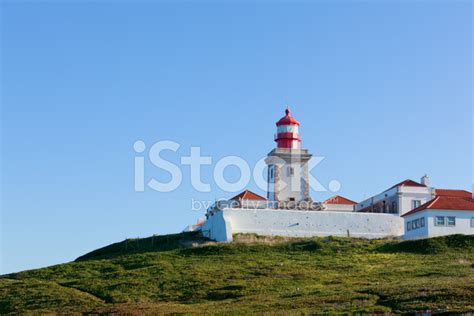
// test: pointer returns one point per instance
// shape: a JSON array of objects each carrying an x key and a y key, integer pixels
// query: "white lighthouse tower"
[{"x": 288, "y": 164}]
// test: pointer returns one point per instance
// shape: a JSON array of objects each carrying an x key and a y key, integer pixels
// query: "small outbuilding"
[
  {"x": 450, "y": 212},
  {"x": 338, "y": 204}
]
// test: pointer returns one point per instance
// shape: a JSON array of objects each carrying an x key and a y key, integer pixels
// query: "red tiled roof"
[
  {"x": 446, "y": 203},
  {"x": 339, "y": 200},
  {"x": 248, "y": 195},
  {"x": 407, "y": 183},
  {"x": 457, "y": 193}
]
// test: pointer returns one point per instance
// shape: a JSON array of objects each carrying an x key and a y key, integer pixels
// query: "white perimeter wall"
[
  {"x": 271, "y": 222},
  {"x": 217, "y": 227}
]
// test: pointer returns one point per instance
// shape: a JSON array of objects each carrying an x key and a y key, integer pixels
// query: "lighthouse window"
[
  {"x": 271, "y": 173},
  {"x": 287, "y": 129},
  {"x": 291, "y": 171}
]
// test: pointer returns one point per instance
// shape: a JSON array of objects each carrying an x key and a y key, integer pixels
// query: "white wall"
[
  {"x": 403, "y": 196},
  {"x": 291, "y": 185},
  {"x": 463, "y": 224},
  {"x": 217, "y": 227},
  {"x": 421, "y": 232},
  {"x": 271, "y": 222},
  {"x": 413, "y": 193}
]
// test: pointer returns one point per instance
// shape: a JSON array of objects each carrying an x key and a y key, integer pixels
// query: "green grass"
[{"x": 184, "y": 274}]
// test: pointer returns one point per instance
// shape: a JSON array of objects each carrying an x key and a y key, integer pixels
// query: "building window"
[
  {"x": 394, "y": 207},
  {"x": 416, "y": 203},
  {"x": 439, "y": 221},
  {"x": 451, "y": 221},
  {"x": 472, "y": 222},
  {"x": 291, "y": 171},
  {"x": 416, "y": 223}
]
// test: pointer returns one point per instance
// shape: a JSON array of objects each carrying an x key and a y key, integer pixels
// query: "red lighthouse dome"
[
  {"x": 287, "y": 132},
  {"x": 287, "y": 119}
]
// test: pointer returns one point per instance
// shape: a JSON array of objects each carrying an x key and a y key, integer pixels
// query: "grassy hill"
[{"x": 185, "y": 273}]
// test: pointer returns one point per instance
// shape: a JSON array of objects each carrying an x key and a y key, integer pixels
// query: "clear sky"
[{"x": 383, "y": 90}]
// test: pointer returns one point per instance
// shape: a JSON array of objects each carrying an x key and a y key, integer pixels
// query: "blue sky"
[{"x": 383, "y": 91}]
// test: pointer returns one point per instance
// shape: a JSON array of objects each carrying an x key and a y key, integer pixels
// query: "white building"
[
  {"x": 399, "y": 199},
  {"x": 450, "y": 212},
  {"x": 339, "y": 204}
]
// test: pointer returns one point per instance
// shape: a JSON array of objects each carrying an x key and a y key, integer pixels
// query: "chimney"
[{"x": 425, "y": 180}]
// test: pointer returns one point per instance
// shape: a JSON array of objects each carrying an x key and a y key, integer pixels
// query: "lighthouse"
[{"x": 288, "y": 176}]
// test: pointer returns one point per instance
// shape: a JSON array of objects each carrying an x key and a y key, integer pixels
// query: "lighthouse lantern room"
[
  {"x": 288, "y": 164},
  {"x": 288, "y": 136}
]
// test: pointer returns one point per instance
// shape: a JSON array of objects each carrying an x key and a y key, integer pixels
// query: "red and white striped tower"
[
  {"x": 288, "y": 132},
  {"x": 288, "y": 164}
]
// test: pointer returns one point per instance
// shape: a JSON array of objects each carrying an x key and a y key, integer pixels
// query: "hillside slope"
[{"x": 183, "y": 273}]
